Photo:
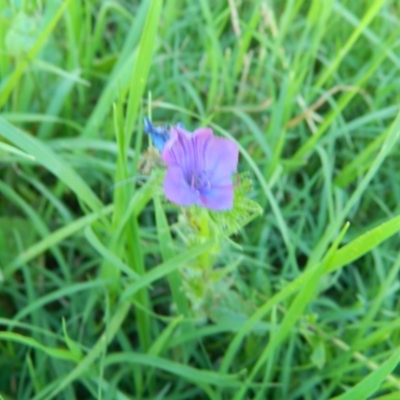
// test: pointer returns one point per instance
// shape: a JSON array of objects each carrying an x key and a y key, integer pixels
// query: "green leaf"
[
  {"x": 62, "y": 354},
  {"x": 74, "y": 348},
  {"x": 364, "y": 243},
  {"x": 34, "y": 49},
  {"x": 11, "y": 149},
  {"x": 98, "y": 348},
  {"x": 370, "y": 384},
  {"x": 318, "y": 355},
  {"x": 52, "y": 161},
  {"x": 180, "y": 370}
]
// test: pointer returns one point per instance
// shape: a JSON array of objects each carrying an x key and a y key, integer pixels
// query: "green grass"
[{"x": 96, "y": 299}]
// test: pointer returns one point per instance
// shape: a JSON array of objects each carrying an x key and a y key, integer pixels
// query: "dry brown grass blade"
[{"x": 310, "y": 110}]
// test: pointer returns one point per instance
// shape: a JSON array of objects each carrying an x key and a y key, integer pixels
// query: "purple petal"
[
  {"x": 218, "y": 198},
  {"x": 201, "y": 140},
  {"x": 221, "y": 159},
  {"x": 179, "y": 149},
  {"x": 177, "y": 189}
]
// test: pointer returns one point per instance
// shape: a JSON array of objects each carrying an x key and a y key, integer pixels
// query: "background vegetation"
[{"x": 91, "y": 299}]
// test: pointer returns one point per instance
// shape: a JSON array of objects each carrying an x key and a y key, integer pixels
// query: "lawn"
[{"x": 118, "y": 280}]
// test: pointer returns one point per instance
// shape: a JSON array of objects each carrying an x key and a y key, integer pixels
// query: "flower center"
[{"x": 200, "y": 181}]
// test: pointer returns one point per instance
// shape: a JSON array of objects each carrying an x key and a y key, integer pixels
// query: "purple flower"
[{"x": 200, "y": 168}]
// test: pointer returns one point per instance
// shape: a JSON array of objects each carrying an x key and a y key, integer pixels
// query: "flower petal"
[
  {"x": 179, "y": 151},
  {"x": 176, "y": 188},
  {"x": 221, "y": 160},
  {"x": 201, "y": 140},
  {"x": 218, "y": 198}
]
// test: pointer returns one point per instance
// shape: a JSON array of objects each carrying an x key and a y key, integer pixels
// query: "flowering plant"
[{"x": 200, "y": 177}]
